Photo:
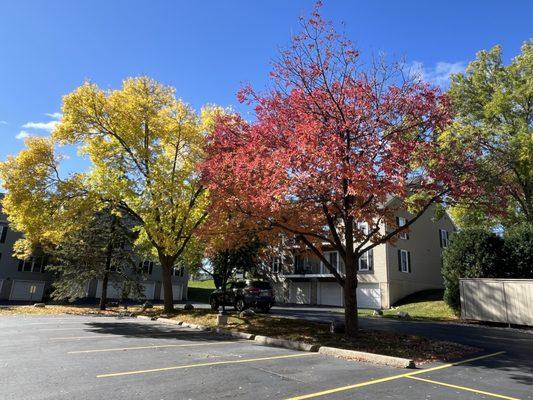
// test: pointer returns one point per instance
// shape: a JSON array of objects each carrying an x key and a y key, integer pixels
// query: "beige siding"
[{"x": 424, "y": 247}]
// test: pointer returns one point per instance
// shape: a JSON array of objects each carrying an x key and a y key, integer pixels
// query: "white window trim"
[
  {"x": 276, "y": 265},
  {"x": 366, "y": 256},
  {"x": 404, "y": 267},
  {"x": 326, "y": 254},
  {"x": 401, "y": 222}
]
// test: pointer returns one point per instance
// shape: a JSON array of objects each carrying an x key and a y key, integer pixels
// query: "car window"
[
  {"x": 239, "y": 285},
  {"x": 261, "y": 285}
]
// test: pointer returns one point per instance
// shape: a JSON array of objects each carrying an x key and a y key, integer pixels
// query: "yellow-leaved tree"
[
  {"x": 145, "y": 146},
  {"x": 40, "y": 202}
]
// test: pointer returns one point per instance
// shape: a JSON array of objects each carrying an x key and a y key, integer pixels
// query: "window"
[
  {"x": 366, "y": 261},
  {"x": 3, "y": 233},
  {"x": 401, "y": 221},
  {"x": 147, "y": 267},
  {"x": 178, "y": 271},
  {"x": 32, "y": 265},
  {"x": 276, "y": 265},
  {"x": 333, "y": 258},
  {"x": 404, "y": 261},
  {"x": 444, "y": 240}
]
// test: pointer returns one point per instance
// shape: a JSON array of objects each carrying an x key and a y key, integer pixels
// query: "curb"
[
  {"x": 368, "y": 357},
  {"x": 146, "y": 317},
  {"x": 289, "y": 344},
  {"x": 240, "y": 335}
]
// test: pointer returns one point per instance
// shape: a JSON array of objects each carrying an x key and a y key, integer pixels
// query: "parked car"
[{"x": 242, "y": 295}]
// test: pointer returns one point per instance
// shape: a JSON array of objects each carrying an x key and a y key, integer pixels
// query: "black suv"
[{"x": 244, "y": 295}]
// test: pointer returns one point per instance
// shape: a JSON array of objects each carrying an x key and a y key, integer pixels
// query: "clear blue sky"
[{"x": 206, "y": 49}]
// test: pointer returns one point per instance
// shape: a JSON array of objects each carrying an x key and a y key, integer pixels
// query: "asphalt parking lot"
[{"x": 78, "y": 357}]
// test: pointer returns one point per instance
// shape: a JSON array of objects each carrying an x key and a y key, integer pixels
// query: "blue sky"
[{"x": 207, "y": 49}]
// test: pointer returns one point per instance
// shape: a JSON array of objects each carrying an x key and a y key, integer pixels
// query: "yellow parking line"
[
  {"x": 153, "y": 347},
  {"x": 389, "y": 378},
  {"x": 205, "y": 365},
  {"x": 463, "y": 388},
  {"x": 121, "y": 335}
]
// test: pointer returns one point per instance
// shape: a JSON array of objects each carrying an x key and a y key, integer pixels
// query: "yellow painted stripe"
[
  {"x": 463, "y": 388},
  {"x": 389, "y": 378},
  {"x": 154, "y": 347},
  {"x": 121, "y": 335},
  {"x": 249, "y": 360}
]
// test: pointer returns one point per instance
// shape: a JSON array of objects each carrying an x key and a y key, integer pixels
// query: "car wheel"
[
  {"x": 266, "y": 308},
  {"x": 240, "y": 305},
  {"x": 214, "y": 304}
]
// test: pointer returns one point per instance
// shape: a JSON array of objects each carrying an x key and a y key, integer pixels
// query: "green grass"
[
  {"x": 426, "y": 305},
  {"x": 199, "y": 291}
]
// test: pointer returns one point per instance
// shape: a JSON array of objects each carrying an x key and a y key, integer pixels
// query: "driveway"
[{"x": 83, "y": 357}]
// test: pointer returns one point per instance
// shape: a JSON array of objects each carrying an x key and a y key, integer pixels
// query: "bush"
[
  {"x": 472, "y": 253},
  {"x": 518, "y": 251}
]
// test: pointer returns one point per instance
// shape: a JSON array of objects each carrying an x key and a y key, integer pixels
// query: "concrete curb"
[
  {"x": 146, "y": 317},
  {"x": 367, "y": 357},
  {"x": 169, "y": 321},
  {"x": 289, "y": 344},
  {"x": 240, "y": 335}
]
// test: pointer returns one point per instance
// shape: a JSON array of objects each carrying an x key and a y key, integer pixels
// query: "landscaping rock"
[
  {"x": 247, "y": 313},
  {"x": 403, "y": 315},
  {"x": 377, "y": 313},
  {"x": 188, "y": 307},
  {"x": 39, "y": 305},
  {"x": 337, "y": 327},
  {"x": 148, "y": 305}
]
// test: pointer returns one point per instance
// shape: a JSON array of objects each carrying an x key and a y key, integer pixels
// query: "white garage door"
[
  {"x": 300, "y": 293},
  {"x": 369, "y": 296},
  {"x": 177, "y": 292},
  {"x": 148, "y": 290},
  {"x": 27, "y": 290},
  {"x": 330, "y": 294},
  {"x": 114, "y": 290}
]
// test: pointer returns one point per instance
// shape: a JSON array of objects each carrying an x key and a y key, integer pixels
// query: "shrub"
[
  {"x": 518, "y": 251},
  {"x": 472, "y": 253}
]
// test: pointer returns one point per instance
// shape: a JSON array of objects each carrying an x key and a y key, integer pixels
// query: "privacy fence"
[{"x": 497, "y": 300}]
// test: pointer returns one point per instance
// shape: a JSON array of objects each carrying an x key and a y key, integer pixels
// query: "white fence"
[{"x": 497, "y": 300}]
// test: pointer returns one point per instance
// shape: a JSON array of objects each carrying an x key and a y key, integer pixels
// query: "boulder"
[
  {"x": 377, "y": 313},
  {"x": 403, "y": 315},
  {"x": 247, "y": 313},
  {"x": 147, "y": 304},
  {"x": 39, "y": 305}
]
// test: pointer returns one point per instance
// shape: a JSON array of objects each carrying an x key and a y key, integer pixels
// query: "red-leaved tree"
[{"x": 333, "y": 142}]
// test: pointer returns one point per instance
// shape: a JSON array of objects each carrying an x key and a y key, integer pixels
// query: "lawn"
[
  {"x": 425, "y": 305},
  {"x": 199, "y": 291},
  {"x": 409, "y": 346}
]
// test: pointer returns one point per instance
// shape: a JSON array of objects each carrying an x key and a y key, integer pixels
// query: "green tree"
[
  {"x": 100, "y": 249},
  {"x": 472, "y": 253},
  {"x": 493, "y": 105},
  {"x": 145, "y": 146},
  {"x": 518, "y": 249}
]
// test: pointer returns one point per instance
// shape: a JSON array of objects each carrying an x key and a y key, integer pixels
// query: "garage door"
[
  {"x": 148, "y": 290},
  {"x": 330, "y": 294},
  {"x": 177, "y": 292},
  {"x": 300, "y": 293},
  {"x": 114, "y": 290},
  {"x": 27, "y": 291},
  {"x": 369, "y": 296}
]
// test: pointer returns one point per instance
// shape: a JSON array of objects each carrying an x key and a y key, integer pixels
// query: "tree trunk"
[
  {"x": 350, "y": 285},
  {"x": 167, "y": 263},
  {"x": 108, "y": 260},
  {"x": 103, "y": 295}
]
